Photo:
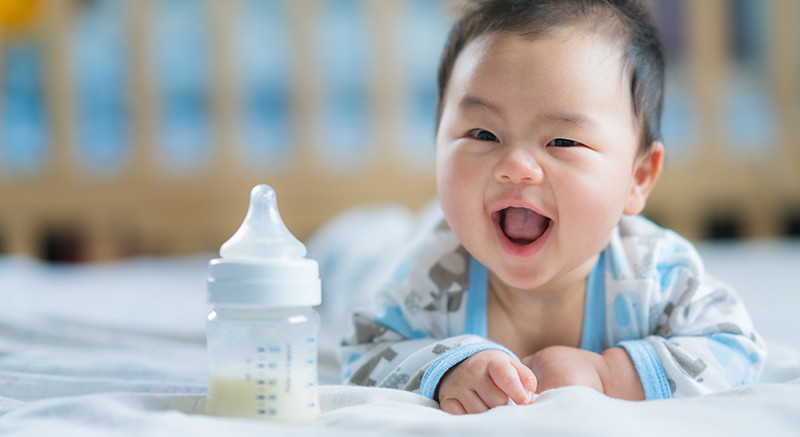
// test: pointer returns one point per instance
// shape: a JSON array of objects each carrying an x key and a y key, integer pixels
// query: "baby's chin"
[{"x": 510, "y": 277}]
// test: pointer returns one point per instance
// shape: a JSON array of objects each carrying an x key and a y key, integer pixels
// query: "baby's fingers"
[
  {"x": 506, "y": 376},
  {"x": 452, "y": 406},
  {"x": 526, "y": 376}
]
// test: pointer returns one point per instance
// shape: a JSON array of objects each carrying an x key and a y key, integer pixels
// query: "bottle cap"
[{"x": 263, "y": 264}]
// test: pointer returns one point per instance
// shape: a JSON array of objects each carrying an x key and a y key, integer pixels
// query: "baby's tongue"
[{"x": 524, "y": 224}]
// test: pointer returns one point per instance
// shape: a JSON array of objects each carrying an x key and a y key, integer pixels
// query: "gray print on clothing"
[
  {"x": 728, "y": 328},
  {"x": 411, "y": 303},
  {"x": 395, "y": 380},
  {"x": 721, "y": 296},
  {"x": 454, "y": 300},
  {"x": 416, "y": 382},
  {"x": 452, "y": 269},
  {"x": 668, "y": 309},
  {"x": 691, "y": 367},
  {"x": 665, "y": 330},
  {"x": 686, "y": 297},
  {"x": 440, "y": 349},
  {"x": 362, "y": 376},
  {"x": 366, "y": 328}
]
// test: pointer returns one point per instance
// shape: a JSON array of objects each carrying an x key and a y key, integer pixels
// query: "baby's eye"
[
  {"x": 484, "y": 135},
  {"x": 561, "y": 142}
]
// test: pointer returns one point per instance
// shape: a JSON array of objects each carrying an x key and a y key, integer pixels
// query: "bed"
[{"x": 119, "y": 349}]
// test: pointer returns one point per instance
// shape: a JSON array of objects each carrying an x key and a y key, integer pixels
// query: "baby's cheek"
[
  {"x": 596, "y": 214},
  {"x": 451, "y": 189},
  {"x": 461, "y": 201}
]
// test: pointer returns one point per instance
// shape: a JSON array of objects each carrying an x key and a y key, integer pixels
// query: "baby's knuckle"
[
  {"x": 507, "y": 381},
  {"x": 502, "y": 371}
]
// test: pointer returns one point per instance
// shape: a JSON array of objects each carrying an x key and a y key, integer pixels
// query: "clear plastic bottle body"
[{"x": 263, "y": 363}]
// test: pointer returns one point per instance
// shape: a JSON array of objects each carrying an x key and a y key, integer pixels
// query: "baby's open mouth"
[{"x": 522, "y": 226}]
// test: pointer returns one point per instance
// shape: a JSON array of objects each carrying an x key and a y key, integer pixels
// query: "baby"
[{"x": 547, "y": 148}]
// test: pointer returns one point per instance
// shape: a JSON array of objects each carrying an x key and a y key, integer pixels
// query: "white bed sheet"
[{"x": 119, "y": 349}]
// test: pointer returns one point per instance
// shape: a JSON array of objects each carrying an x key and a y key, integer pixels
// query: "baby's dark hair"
[{"x": 626, "y": 21}]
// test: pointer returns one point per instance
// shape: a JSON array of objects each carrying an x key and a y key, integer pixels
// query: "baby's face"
[{"x": 535, "y": 152}]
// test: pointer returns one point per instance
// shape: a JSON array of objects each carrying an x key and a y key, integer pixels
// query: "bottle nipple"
[{"x": 262, "y": 233}]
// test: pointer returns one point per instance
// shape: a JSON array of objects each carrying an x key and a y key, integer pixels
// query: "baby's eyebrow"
[
  {"x": 571, "y": 118},
  {"x": 468, "y": 102}
]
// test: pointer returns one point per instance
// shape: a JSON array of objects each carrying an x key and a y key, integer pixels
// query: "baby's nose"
[{"x": 519, "y": 166}]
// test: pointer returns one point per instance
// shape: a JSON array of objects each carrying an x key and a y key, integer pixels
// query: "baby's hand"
[
  {"x": 484, "y": 381},
  {"x": 561, "y": 366},
  {"x": 612, "y": 372}
]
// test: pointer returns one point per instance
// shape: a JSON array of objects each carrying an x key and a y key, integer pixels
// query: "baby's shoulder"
[{"x": 640, "y": 249}]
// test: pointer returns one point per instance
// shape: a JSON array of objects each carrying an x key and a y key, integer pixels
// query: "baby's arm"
[
  {"x": 707, "y": 344},
  {"x": 483, "y": 381},
  {"x": 612, "y": 372},
  {"x": 686, "y": 333},
  {"x": 388, "y": 353}
]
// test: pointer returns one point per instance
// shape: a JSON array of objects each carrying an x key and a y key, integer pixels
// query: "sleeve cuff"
[
  {"x": 437, "y": 369},
  {"x": 649, "y": 368}
]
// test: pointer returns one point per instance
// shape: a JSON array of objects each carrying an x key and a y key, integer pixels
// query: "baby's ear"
[{"x": 645, "y": 173}]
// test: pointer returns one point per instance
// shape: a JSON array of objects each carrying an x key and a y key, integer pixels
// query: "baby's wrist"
[
  {"x": 445, "y": 378},
  {"x": 619, "y": 377}
]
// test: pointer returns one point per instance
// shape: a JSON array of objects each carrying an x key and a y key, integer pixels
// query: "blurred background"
[{"x": 138, "y": 127}]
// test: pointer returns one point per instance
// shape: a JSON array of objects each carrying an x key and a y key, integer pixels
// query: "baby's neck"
[{"x": 527, "y": 321}]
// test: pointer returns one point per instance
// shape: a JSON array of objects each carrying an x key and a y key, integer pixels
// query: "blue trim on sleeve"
[
  {"x": 437, "y": 369},
  {"x": 649, "y": 368},
  {"x": 594, "y": 318},
  {"x": 475, "y": 313}
]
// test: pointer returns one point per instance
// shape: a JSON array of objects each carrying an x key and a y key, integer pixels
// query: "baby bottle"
[{"x": 262, "y": 334}]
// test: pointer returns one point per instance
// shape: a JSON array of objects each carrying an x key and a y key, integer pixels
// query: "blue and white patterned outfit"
[{"x": 687, "y": 333}]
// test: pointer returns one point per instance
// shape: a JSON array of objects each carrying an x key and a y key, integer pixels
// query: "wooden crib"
[{"x": 63, "y": 214}]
